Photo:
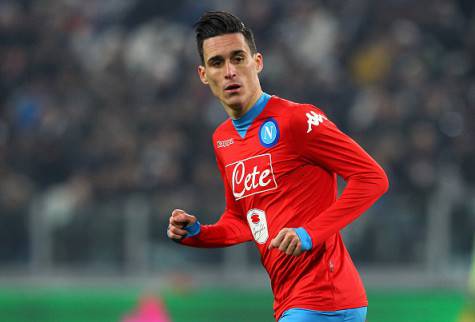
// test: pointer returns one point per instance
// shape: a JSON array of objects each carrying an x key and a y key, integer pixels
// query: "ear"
[
  {"x": 202, "y": 74},
  {"x": 259, "y": 59}
]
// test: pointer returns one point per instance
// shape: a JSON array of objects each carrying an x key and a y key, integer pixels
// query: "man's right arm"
[{"x": 230, "y": 229}]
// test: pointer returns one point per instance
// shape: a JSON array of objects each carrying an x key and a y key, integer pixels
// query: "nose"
[{"x": 230, "y": 70}]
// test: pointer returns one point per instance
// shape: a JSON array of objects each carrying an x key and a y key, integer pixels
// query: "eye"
[
  {"x": 238, "y": 59},
  {"x": 216, "y": 63}
]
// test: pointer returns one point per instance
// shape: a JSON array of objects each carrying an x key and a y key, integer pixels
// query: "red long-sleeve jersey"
[{"x": 283, "y": 174}]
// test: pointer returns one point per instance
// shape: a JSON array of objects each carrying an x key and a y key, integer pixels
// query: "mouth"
[{"x": 232, "y": 88}]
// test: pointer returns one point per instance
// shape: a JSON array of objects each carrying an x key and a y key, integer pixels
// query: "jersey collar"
[{"x": 243, "y": 123}]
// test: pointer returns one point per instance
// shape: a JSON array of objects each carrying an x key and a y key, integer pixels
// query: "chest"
[{"x": 257, "y": 163}]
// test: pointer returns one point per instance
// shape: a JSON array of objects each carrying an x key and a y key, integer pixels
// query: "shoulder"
[
  {"x": 306, "y": 121},
  {"x": 223, "y": 129},
  {"x": 293, "y": 108},
  {"x": 299, "y": 115}
]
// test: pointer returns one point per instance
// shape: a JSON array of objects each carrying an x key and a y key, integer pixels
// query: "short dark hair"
[{"x": 216, "y": 23}]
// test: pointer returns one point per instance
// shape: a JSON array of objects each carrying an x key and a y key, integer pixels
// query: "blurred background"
[{"x": 105, "y": 128}]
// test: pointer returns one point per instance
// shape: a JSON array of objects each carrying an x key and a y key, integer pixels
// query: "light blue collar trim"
[{"x": 243, "y": 123}]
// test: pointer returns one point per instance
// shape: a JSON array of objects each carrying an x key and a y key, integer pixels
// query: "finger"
[
  {"x": 177, "y": 230},
  {"x": 180, "y": 220},
  {"x": 172, "y": 235},
  {"x": 292, "y": 245},
  {"x": 298, "y": 250},
  {"x": 278, "y": 239},
  {"x": 286, "y": 242}
]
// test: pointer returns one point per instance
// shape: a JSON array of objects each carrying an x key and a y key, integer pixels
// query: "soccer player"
[{"x": 279, "y": 161}]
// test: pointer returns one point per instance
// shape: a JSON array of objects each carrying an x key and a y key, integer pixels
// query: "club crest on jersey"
[
  {"x": 258, "y": 224},
  {"x": 314, "y": 119},
  {"x": 250, "y": 176},
  {"x": 269, "y": 133}
]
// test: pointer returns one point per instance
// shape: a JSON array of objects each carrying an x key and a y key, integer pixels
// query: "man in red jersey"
[{"x": 279, "y": 161}]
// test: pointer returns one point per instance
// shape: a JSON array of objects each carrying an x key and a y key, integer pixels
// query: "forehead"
[{"x": 223, "y": 45}]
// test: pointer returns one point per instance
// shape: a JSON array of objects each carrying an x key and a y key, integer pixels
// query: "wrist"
[
  {"x": 193, "y": 229},
  {"x": 305, "y": 240}
]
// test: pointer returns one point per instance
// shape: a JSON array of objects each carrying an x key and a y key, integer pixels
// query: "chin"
[{"x": 235, "y": 103}]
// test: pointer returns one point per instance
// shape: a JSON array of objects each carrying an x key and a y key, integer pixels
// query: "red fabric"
[{"x": 294, "y": 184}]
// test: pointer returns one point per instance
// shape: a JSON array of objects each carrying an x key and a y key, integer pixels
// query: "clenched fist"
[
  {"x": 287, "y": 241},
  {"x": 178, "y": 220}
]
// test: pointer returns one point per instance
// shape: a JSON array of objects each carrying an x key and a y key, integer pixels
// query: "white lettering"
[
  {"x": 247, "y": 180},
  {"x": 250, "y": 181},
  {"x": 223, "y": 144},
  {"x": 314, "y": 119},
  {"x": 237, "y": 180},
  {"x": 264, "y": 175},
  {"x": 269, "y": 131},
  {"x": 252, "y": 175}
]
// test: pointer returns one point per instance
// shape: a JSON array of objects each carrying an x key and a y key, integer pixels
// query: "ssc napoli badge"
[
  {"x": 269, "y": 133},
  {"x": 258, "y": 224}
]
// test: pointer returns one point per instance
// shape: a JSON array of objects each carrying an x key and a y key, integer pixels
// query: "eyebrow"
[
  {"x": 215, "y": 58},
  {"x": 219, "y": 57}
]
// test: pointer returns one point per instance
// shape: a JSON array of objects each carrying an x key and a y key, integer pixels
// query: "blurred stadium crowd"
[{"x": 103, "y": 117}]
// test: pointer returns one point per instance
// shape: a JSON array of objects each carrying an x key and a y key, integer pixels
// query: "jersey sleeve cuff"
[
  {"x": 305, "y": 240},
  {"x": 193, "y": 230}
]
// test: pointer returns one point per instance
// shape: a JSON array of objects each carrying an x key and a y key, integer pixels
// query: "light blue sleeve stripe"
[
  {"x": 305, "y": 239},
  {"x": 193, "y": 230}
]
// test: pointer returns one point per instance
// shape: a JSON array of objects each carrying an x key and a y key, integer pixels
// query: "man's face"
[{"x": 231, "y": 71}]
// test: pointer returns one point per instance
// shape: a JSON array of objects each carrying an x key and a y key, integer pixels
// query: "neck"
[{"x": 239, "y": 111}]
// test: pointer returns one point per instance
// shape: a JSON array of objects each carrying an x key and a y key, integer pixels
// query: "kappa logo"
[
  {"x": 250, "y": 176},
  {"x": 314, "y": 119},
  {"x": 258, "y": 224},
  {"x": 225, "y": 143}
]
